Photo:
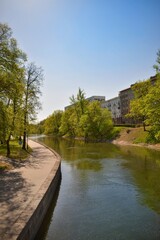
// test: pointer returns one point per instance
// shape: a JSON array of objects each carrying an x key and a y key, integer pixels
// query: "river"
[{"x": 107, "y": 192}]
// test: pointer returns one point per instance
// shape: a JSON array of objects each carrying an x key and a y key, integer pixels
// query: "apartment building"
[
  {"x": 113, "y": 105},
  {"x": 119, "y": 106},
  {"x": 96, "y": 98},
  {"x": 90, "y": 99},
  {"x": 125, "y": 96}
]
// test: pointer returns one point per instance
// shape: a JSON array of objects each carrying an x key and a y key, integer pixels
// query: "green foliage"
[
  {"x": 146, "y": 104},
  {"x": 19, "y": 88},
  {"x": 86, "y": 119},
  {"x": 115, "y": 132},
  {"x": 79, "y": 103},
  {"x": 53, "y": 123},
  {"x": 69, "y": 122},
  {"x": 137, "y": 105},
  {"x": 152, "y": 104},
  {"x": 157, "y": 66},
  {"x": 96, "y": 122},
  {"x": 32, "y": 82},
  {"x": 154, "y": 134}
]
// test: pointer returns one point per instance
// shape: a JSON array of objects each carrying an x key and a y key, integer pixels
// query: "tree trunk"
[
  {"x": 24, "y": 140},
  {"x": 8, "y": 146},
  {"x": 25, "y": 132},
  {"x": 144, "y": 126}
]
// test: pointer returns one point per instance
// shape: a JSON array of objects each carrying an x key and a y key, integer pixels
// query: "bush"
[{"x": 154, "y": 135}]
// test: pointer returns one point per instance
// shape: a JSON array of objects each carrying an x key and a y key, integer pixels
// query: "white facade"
[{"x": 113, "y": 105}]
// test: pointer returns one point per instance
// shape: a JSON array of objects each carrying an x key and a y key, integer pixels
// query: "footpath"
[{"x": 22, "y": 189}]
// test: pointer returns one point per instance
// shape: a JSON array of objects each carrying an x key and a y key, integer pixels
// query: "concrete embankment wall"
[{"x": 41, "y": 202}]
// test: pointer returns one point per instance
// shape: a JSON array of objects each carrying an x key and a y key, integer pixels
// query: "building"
[
  {"x": 113, "y": 105},
  {"x": 90, "y": 99},
  {"x": 119, "y": 106},
  {"x": 125, "y": 96},
  {"x": 96, "y": 98}
]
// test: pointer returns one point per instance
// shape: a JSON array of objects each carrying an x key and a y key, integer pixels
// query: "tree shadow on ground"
[
  {"x": 34, "y": 160},
  {"x": 14, "y": 192}
]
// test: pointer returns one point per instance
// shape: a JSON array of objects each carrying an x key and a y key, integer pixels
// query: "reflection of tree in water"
[
  {"x": 88, "y": 164},
  {"x": 143, "y": 163},
  {"x": 86, "y": 156},
  {"x": 145, "y": 167}
]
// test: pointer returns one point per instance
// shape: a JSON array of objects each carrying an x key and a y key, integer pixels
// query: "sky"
[{"x": 100, "y": 46}]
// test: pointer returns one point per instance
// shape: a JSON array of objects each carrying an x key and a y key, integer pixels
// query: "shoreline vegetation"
[
  {"x": 131, "y": 136},
  {"x": 127, "y": 136}
]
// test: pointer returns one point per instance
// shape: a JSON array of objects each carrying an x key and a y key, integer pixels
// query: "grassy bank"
[
  {"x": 132, "y": 135},
  {"x": 16, "y": 153}
]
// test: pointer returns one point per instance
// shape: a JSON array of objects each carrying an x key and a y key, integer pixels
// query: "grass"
[
  {"x": 4, "y": 166},
  {"x": 16, "y": 153},
  {"x": 133, "y": 135},
  {"x": 116, "y": 132},
  {"x": 16, "y": 150}
]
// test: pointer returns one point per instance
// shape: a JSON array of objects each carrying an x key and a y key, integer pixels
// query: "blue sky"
[{"x": 101, "y": 46}]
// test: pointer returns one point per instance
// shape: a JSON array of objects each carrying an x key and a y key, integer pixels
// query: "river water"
[{"x": 107, "y": 192}]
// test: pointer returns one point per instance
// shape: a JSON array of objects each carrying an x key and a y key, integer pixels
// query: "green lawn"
[{"x": 16, "y": 153}]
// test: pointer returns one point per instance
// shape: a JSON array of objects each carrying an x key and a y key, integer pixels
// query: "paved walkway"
[{"x": 19, "y": 188}]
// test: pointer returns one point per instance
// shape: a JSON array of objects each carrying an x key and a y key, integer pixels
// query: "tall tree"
[
  {"x": 79, "y": 103},
  {"x": 33, "y": 81},
  {"x": 11, "y": 71}
]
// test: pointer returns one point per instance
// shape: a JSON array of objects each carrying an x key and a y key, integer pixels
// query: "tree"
[
  {"x": 96, "y": 122},
  {"x": 53, "y": 122},
  {"x": 86, "y": 119},
  {"x": 153, "y": 111},
  {"x": 79, "y": 103},
  {"x": 137, "y": 105},
  {"x": 71, "y": 117},
  {"x": 153, "y": 105},
  {"x": 157, "y": 65},
  {"x": 146, "y": 104},
  {"x": 11, "y": 84},
  {"x": 69, "y": 123},
  {"x": 11, "y": 57},
  {"x": 31, "y": 104}
]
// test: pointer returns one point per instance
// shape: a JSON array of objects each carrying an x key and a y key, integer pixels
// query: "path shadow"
[
  {"x": 34, "y": 160},
  {"x": 14, "y": 192}
]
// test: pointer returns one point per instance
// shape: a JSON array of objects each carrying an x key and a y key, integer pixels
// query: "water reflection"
[
  {"x": 143, "y": 163},
  {"x": 106, "y": 185},
  {"x": 82, "y": 155},
  {"x": 145, "y": 167}
]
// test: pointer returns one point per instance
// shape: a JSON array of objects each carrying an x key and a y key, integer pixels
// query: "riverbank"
[
  {"x": 26, "y": 191},
  {"x": 134, "y": 137}
]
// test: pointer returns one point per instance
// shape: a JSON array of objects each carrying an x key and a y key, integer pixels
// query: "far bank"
[{"x": 134, "y": 136}]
